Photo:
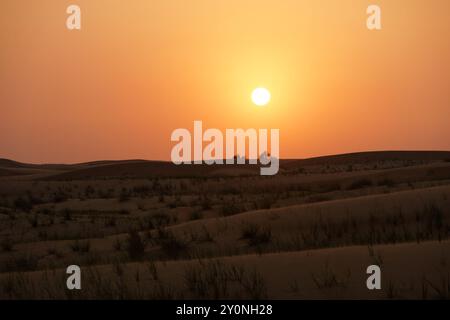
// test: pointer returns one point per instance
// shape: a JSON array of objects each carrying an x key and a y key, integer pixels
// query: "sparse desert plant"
[
  {"x": 81, "y": 246},
  {"x": 256, "y": 235},
  {"x": 55, "y": 252},
  {"x": 360, "y": 183},
  {"x": 135, "y": 245},
  {"x": 117, "y": 245},
  {"x": 216, "y": 280},
  {"x": 67, "y": 213},
  {"x": 89, "y": 191},
  {"x": 196, "y": 215},
  {"x": 328, "y": 278},
  {"x": 255, "y": 286},
  {"x": 33, "y": 220},
  {"x": 118, "y": 269},
  {"x": 206, "y": 236},
  {"x": 160, "y": 218},
  {"x": 230, "y": 208},
  {"x": 267, "y": 202},
  {"x": 6, "y": 244},
  {"x": 206, "y": 203},
  {"x": 153, "y": 270},
  {"x": 124, "y": 212},
  {"x": 20, "y": 263},
  {"x": 249, "y": 230},
  {"x": 173, "y": 246},
  {"x": 23, "y": 204},
  {"x": 124, "y": 195},
  {"x": 391, "y": 291},
  {"x": 43, "y": 235},
  {"x": 442, "y": 288},
  {"x": 386, "y": 182},
  {"x": 164, "y": 292},
  {"x": 207, "y": 280},
  {"x": 60, "y": 196},
  {"x": 294, "y": 286},
  {"x": 142, "y": 190},
  {"x": 376, "y": 256},
  {"x": 110, "y": 222},
  {"x": 176, "y": 202},
  {"x": 16, "y": 286}
]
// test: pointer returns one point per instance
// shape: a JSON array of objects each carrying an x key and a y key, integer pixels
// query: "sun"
[{"x": 261, "y": 96}]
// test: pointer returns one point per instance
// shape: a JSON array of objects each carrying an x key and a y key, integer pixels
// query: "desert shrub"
[
  {"x": 117, "y": 245},
  {"x": 433, "y": 220},
  {"x": 23, "y": 204},
  {"x": 230, "y": 189},
  {"x": 175, "y": 203},
  {"x": 196, "y": 215},
  {"x": 81, "y": 246},
  {"x": 386, "y": 182},
  {"x": 89, "y": 191},
  {"x": 33, "y": 198},
  {"x": 249, "y": 230},
  {"x": 33, "y": 220},
  {"x": 328, "y": 278},
  {"x": 19, "y": 263},
  {"x": 206, "y": 203},
  {"x": 6, "y": 244},
  {"x": 135, "y": 245},
  {"x": 106, "y": 194},
  {"x": 124, "y": 195},
  {"x": 67, "y": 214},
  {"x": 267, "y": 202},
  {"x": 172, "y": 246},
  {"x": 329, "y": 187},
  {"x": 153, "y": 270},
  {"x": 46, "y": 211},
  {"x": 205, "y": 235},
  {"x": 442, "y": 287},
  {"x": 217, "y": 280},
  {"x": 43, "y": 235},
  {"x": 142, "y": 191},
  {"x": 60, "y": 196},
  {"x": 256, "y": 235},
  {"x": 124, "y": 212},
  {"x": 110, "y": 222},
  {"x": 230, "y": 208},
  {"x": 360, "y": 183},
  {"x": 163, "y": 233},
  {"x": 161, "y": 218}
]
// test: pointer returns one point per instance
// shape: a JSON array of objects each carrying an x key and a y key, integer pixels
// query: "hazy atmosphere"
[{"x": 138, "y": 70}]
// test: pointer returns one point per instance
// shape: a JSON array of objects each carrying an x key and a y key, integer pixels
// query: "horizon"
[{"x": 280, "y": 159}]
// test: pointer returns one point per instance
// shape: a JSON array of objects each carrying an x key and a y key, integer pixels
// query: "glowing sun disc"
[{"x": 261, "y": 96}]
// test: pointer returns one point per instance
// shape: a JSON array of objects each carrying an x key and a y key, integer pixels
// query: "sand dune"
[
  {"x": 148, "y": 229},
  {"x": 148, "y": 169}
]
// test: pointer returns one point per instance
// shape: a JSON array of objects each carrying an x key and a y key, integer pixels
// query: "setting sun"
[{"x": 261, "y": 96}]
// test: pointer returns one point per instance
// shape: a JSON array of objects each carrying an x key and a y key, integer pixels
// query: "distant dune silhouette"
[{"x": 147, "y": 168}]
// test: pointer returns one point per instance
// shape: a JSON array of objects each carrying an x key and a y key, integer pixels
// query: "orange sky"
[{"x": 140, "y": 69}]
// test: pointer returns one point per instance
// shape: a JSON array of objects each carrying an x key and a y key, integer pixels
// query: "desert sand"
[{"x": 151, "y": 230}]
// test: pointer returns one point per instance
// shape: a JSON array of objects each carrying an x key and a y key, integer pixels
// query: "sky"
[{"x": 137, "y": 70}]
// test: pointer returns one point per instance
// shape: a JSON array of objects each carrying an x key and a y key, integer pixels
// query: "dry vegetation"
[{"x": 144, "y": 230}]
